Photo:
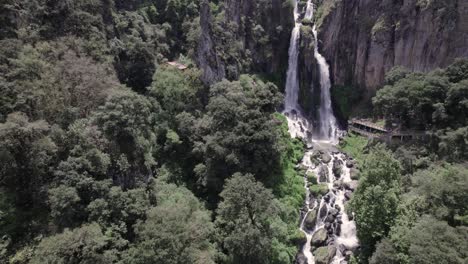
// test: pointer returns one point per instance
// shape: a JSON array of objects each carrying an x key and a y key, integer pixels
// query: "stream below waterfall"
[{"x": 330, "y": 231}]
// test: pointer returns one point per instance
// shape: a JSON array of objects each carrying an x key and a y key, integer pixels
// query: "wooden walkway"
[
  {"x": 371, "y": 130},
  {"x": 177, "y": 65}
]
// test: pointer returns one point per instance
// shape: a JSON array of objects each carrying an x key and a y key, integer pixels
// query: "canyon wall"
[
  {"x": 244, "y": 36},
  {"x": 364, "y": 39}
]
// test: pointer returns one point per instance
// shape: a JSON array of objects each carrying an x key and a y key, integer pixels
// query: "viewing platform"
[
  {"x": 177, "y": 65},
  {"x": 370, "y": 129}
]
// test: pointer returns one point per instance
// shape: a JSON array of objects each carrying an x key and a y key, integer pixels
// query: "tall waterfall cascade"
[
  {"x": 328, "y": 228},
  {"x": 299, "y": 126}
]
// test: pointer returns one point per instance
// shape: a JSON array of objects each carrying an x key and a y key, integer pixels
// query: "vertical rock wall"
[
  {"x": 364, "y": 39},
  {"x": 251, "y": 36}
]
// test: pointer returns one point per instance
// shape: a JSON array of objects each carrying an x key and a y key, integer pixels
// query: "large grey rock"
[
  {"x": 352, "y": 185},
  {"x": 354, "y": 174},
  {"x": 319, "y": 238},
  {"x": 326, "y": 158},
  {"x": 350, "y": 163},
  {"x": 310, "y": 220},
  {"x": 324, "y": 255},
  {"x": 337, "y": 167},
  {"x": 323, "y": 173},
  {"x": 300, "y": 258}
]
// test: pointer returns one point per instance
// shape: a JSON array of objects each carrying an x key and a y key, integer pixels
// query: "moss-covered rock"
[
  {"x": 319, "y": 238},
  {"x": 318, "y": 190},
  {"x": 311, "y": 178},
  {"x": 310, "y": 220}
]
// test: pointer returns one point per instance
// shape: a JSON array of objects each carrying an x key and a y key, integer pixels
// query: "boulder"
[
  {"x": 326, "y": 158},
  {"x": 318, "y": 190},
  {"x": 319, "y": 238},
  {"x": 337, "y": 167},
  {"x": 338, "y": 184},
  {"x": 323, "y": 173},
  {"x": 323, "y": 211},
  {"x": 299, "y": 238},
  {"x": 333, "y": 212},
  {"x": 300, "y": 258},
  {"x": 323, "y": 255},
  {"x": 310, "y": 220},
  {"x": 350, "y": 163},
  {"x": 352, "y": 185},
  {"x": 311, "y": 177},
  {"x": 354, "y": 174},
  {"x": 314, "y": 158},
  {"x": 348, "y": 195}
]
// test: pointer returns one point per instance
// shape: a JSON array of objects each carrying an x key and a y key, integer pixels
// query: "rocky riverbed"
[{"x": 330, "y": 178}]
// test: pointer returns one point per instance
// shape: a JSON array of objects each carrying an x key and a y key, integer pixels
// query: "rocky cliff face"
[
  {"x": 309, "y": 82},
  {"x": 364, "y": 39},
  {"x": 244, "y": 36}
]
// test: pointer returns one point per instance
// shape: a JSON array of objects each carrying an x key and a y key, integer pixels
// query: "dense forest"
[{"x": 111, "y": 154}]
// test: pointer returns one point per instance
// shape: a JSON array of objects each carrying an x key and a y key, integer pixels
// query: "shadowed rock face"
[
  {"x": 364, "y": 39},
  {"x": 245, "y": 21}
]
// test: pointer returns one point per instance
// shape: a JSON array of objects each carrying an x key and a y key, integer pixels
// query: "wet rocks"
[
  {"x": 300, "y": 258},
  {"x": 354, "y": 174},
  {"x": 323, "y": 211},
  {"x": 337, "y": 167},
  {"x": 350, "y": 163},
  {"x": 319, "y": 238},
  {"x": 311, "y": 178},
  {"x": 318, "y": 190},
  {"x": 352, "y": 185},
  {"x": 310, "y": 220},
  {"x": 326, "y": 158},
  {"x": 323, "y": 255},
  {"x": 348, "y": 195},
  {"x": 323, "y": 173}
]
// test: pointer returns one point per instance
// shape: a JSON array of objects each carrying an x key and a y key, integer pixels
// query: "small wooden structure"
[
  {"x": 371, "y": 130},
  {"x": 179, "y": 66}
]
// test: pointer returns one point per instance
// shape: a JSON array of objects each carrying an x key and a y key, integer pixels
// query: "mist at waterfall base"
[{"x": 330, "y": 213}]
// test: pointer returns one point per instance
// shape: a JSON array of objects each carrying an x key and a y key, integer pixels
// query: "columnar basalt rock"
[{"x": 364, "y": 39}]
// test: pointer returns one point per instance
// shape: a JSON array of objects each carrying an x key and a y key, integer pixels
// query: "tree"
[
  {"x": 129, "y": 121},
  {"x": 434, "y": 241},
  {"x": 244, "y": 220},
  {"x": 376, "y": 200},
  {"x": 85, "y": 245},
  {"x": 445, "y": 191},
  {"x": 177, "y": 230},
  {"x": 26, "y": 154},
  {"x": 238, "y": 132}
]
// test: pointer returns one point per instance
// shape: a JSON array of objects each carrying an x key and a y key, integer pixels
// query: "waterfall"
[
  {"x": 327, "y": 121},
  {"x": 329, "y": 210},
  {"x": 299, "y": 126}
]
